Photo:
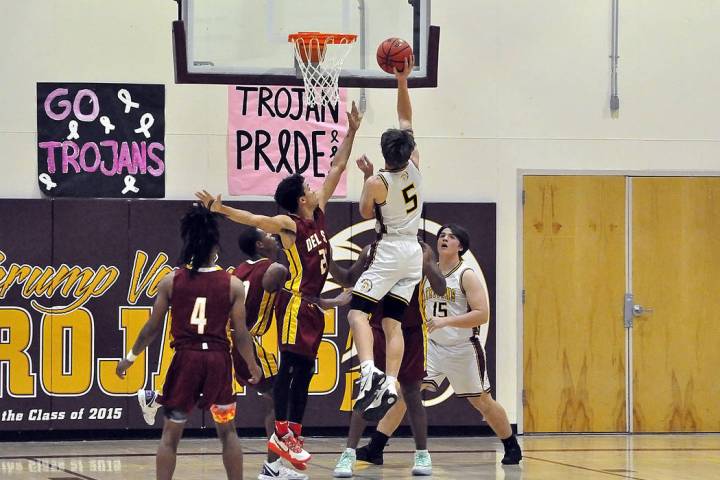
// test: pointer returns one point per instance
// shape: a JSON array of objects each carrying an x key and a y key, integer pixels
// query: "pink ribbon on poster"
[{"x": 272, "y": 133}]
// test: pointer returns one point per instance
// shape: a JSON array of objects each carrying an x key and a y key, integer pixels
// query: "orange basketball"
[{"x": 392, "y": 53}]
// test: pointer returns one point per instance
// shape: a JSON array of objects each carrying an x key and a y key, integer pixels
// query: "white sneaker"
[
  {"x": 369, "y": 386},
  {"x": 345, "y": 465},
  {"x": 291, "y": 449},
  {"x": 423, "y": 463},
  {"x": 148, "y": 404},
  {"x": 276, "y": 469}
]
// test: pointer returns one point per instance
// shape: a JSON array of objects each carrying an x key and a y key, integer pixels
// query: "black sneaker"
[
  {"x": 363, "y": 454},
  {"x": 369, "y": 387},
  {"x": 384, "y": 400},
  {"x": 512, "y": 456}
]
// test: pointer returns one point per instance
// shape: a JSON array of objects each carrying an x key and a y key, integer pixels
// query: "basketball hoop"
[{"x": 320, "y": 57}]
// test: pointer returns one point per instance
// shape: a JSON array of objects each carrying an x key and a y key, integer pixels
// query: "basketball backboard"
[{"x": 245, "y": 42}]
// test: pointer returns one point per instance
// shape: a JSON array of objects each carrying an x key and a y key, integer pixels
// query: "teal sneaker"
[
  {"x": 423, "y": 464},
  {"x": 344, "y": 467}
]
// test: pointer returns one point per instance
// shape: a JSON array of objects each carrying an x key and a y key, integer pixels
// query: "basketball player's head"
[
  {"x": 255, "y": 242},
  {"x": 293, "y": 193},
  {"x": 201, "y": 237},
  {"x": 397, "y": 146},
  {"x": 452, "y": 239}
]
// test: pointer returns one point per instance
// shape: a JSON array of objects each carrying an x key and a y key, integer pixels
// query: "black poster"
[{"x": 101, "y": 140}]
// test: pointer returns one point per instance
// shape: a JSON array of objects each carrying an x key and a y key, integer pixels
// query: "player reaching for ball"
[{"x": 394, "y": 197}]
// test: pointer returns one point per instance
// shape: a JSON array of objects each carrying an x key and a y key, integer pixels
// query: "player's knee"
[
  {"x": 226, "y": 433},
  {"x": 360, "y": 307},
  {"x": 411, "y": 388},
  {"x": 411, "y": 392},
  {"x": 223, "y": 414},
  {"x": 482, "y": 402},
  {"x": 175, "y": 416}
]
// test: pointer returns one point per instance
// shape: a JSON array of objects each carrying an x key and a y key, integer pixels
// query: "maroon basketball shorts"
[
  {"x": 300, "y": 324},
  {"x": 193, "y": 373},
  {"x": 412, "y": 368},
  {"x": 267, "y": 361}
]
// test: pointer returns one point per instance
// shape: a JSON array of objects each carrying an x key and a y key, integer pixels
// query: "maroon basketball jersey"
[
  {"x": 308, "y": 256},
  {"x": 411, "y": 318},
  {"x": 200, "y": 309},
  {"x": 258, "y": 302}
]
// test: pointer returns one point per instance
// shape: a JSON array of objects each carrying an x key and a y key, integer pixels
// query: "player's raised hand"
[
  {"x": 122, "y": 367},
  {"x": 428, "y": 253},
  {"x": 366, "y": 166},
  {"x": 211, "y": 203},
  {"x": 354, "y": 117},
  {"x": 407, "y": 69},
  {"x": 345, "y": 297},
  {"x": 255, "y": 373}
]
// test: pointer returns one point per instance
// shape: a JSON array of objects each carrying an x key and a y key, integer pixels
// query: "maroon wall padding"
[{"x": 92, "y": 233}]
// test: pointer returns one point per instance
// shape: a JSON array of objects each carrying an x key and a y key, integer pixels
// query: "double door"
[{"x": 621, "y": 314}]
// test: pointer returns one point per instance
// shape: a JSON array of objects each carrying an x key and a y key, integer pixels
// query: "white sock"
[
  {"x": 422, "y": 451},
  {"x": 351, "y": 451},
  {"x": 367, "y": 367}
]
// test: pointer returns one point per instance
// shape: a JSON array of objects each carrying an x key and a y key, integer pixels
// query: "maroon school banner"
[{"x": 78, "y": 278}]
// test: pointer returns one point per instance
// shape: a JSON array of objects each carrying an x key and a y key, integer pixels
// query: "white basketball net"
[{"x": 321, "y": 78}]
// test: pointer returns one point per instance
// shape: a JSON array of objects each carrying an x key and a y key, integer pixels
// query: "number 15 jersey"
[
  {"x": 200, "y": 306},
  {"x": 451, "y": 304}
]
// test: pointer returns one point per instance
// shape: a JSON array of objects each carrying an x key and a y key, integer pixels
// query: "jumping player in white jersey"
[
  {"x": 454, "y": 349},
  {"x": 394, "y": 198}
]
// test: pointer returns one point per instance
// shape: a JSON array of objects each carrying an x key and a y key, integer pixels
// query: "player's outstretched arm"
[
  {"x": 404, "y": 107},
  {"x": 347, "y": 277},
  {"x": 339, "y": 162},
  {"x": 340, "y": 300},
  {"x": 431, "y": 270},
  {"x": 477, "y": 302},
  {"x": 153, "y": 327},
  {"x": 276, "y": 224},
  {"x": 241, "y": 336},
  {"x": 274, "y": 277}
]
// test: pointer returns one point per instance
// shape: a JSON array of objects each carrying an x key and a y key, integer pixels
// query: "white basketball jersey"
[
  {"x": 451, "y": 304},
  {"x": 401, "y": 212}
]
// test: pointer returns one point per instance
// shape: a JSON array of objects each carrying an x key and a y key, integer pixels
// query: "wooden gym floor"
[{"x": 566, "y": 457}]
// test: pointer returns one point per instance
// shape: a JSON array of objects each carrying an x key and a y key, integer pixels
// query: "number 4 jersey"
[{"x": 200, "y": 309}]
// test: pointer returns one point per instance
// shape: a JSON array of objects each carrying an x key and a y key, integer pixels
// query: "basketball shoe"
[
  {"x": 385, "y": 398},
  {"x": 291, "y": 449},
  {"x": 276, "y": 470},
  {"x": 345, "y": 465},
  {"x": 148, "y": 404}
]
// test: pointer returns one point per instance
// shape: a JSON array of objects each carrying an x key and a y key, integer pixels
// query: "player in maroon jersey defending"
[
  {"x": 412, "y": 367},
  {"x": 262, "y": 278},
  {"x": 204, "y": 298},
  {"x": 300, "y": 320}
]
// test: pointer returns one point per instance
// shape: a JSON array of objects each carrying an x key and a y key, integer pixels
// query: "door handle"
[
  {"x": 639, "y": 310},
  {"x": 632, "y": 310}
]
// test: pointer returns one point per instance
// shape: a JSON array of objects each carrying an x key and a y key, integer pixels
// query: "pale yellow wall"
[{"x": 523, "y": 85}]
